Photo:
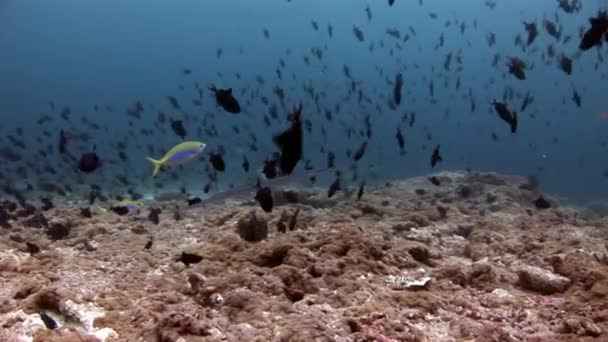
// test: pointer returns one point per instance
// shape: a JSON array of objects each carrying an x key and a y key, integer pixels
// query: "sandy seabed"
[{"x": 470, "y": 260}]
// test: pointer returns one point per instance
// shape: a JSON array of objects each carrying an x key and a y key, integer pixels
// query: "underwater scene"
[{"x": 304, "y": 170}]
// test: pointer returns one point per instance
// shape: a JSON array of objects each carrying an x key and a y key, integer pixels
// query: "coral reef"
[{"x": 470, "y": 259}]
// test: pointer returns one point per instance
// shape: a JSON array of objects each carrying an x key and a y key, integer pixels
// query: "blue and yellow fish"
[{"x": 179, "y": 154}]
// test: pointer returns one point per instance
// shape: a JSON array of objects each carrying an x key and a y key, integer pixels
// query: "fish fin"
[{"x": 156, "y": 164}]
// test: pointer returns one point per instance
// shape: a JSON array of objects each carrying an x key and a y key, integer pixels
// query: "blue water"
[{"x": 82, "y": 53}]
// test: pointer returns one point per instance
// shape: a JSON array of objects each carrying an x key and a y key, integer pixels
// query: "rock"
[
  {"x": 404, "y": 227},
  {"x": 48, "y": 299},
  {"x": 58, "y": 230},
  {"x": 27, "y": 289},
  {"x": 542, "y": 281},
  {"x": 252, "y": 228},
  {"x": 581, "y": 327},
  {"x": 420, "y": 254},
  {"x": 196, "y": 281}
]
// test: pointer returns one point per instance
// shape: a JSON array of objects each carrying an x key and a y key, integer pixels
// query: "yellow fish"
[{"x": 179, "y": 154}]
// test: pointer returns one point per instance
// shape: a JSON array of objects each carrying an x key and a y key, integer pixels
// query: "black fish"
[
  {"x": 293, "y": 220},
  {"x": 400, "y": 140},
  {"x": 63, "y": 142},
  {"x": 120, "y": 210},
  {"x": 264, "y": 197},
  {"x": 360, "y": 151},
  {"x": 270, "y": 169},
  {"x": 32, "y": 248},
  {"x": 576, "y": 98},
  {"x": 47, "y": 204},
  {"x": 542, "y": 203},
  {"x": 434, "y": 180},
  {"x": 48, "y": 321},
  {"x": 178, "y": 128},
  {"x": 153, "y": 215},
  {"x": 598, "y": 31},
  {"x": 86, "y": 212},
  {"x": 361, "y": 189},
  {"x": 224, "y": 98},
  {"x": 391, "y": 2},
  {"x": 189, "y": 258},
  {"x": 506, "y": 115},
  {"x": 217, "y": 161},
  {"x": 174, "y": 102},
  {"x": 334, "y": 187},
  {"x": 517, "y": 68},
  {"x": 528, "y": 99},
  {"x": 193, "y": 201},
  {"x": 532, "y": 32},
  {"x": 149, "y": 243},
  {"x": 397, "y": 88},
  {"x": 435, "y": 158},
  {"x": 245, "y": 164},
  {"x": 290, "y": 142},
  {"x": 331, "y": 160},
  {"x": 89, "y": 162},
  {"x": 565, "y": 64}
]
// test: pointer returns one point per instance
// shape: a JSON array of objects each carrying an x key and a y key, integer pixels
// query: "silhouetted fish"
[{"x": 224, "y": 98}]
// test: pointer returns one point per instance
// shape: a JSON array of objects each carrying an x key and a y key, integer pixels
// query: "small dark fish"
[
  {"x": 397, "y": 89},
  {"x": 47, "y": 204},
  {"x": 334, "y": 187},
  {"x": 217, "y": 161},
  {"x": 360, "y": 152},
  {"x": 48, "y": 321},
  {"x": 270, "y": 169},
  {"x": 187, "y": 71},
  {"x": 358, "y": 33},
  {"x": 434, "y": 180},
  {"x": 177, "y": 215},
  {"x": 290, "y": 142},
  {"x": 154, "y": 215},
  {"x": 506, "y": 115},
  {"x": 32, "y": 248},
  {"x": 178, "y": 128},
  {"x": 174, "y": 102},
  {"x": 331, "y": 160},
  {"x": 63, "y": 142},
  {"x": 245, "y": 164},
  {"x": 435, "y": 158},
  {"x": 532, "y": 32},
  {"x": 293, "y": 220},
  {"x": 89, "y": 162},
  {"x": 528, "y": 99},
  {"x": 400, "y": 140},
  {"x": 391, "y": 2},
  {"x": 193, "y": 201},
  {"x": 576, "y": 98},
  {"x": 189, "y": 258},
  {"x": 542, "y": 203},
  {"x": 120, "y": 210},
  {"x": 224, "y": 98},
  {"x": 517, "y": 68},
  {"x": 565, "y": 64},
  {"x": 149, "y": 243},
  {"x": 86, "y": 212},
  {"x": 596, "y": 33},
  {"x": 264, "y": 197},
  {"x": 361, "y": 190}
]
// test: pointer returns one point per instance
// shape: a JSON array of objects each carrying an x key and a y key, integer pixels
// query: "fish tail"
[{"x": 156, "y": 164}]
